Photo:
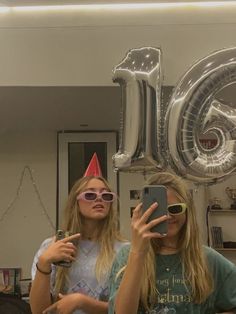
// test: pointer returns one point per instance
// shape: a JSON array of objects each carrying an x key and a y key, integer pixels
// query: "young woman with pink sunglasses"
[{"x": 91, "y": 217}]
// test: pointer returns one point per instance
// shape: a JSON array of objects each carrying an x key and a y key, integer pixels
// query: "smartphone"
[
  {"x": 61, "y": 234},
  {"x": 150, "y": 195}
]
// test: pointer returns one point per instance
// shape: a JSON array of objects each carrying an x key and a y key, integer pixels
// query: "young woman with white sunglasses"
[
  {"x": 82, "y": 288},
  {"x": 170, "y": 273}
]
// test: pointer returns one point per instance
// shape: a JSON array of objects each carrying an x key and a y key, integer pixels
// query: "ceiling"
[
  {"x": 60, "y": 108},
  {"x": 30, "y": 109},
  {"x": 13, "y": 3}
]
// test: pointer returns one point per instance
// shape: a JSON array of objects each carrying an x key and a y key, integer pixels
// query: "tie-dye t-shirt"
[{"x": 82, "y": 272}]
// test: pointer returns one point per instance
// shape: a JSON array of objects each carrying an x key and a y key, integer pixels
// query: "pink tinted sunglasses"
[{"x": 90, "y": 196}]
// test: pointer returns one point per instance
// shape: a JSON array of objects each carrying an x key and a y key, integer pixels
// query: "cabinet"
[{"x": 221, "y": 230}]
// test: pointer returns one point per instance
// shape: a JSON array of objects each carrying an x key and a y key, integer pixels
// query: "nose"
[{"x": 98, "y": 198}]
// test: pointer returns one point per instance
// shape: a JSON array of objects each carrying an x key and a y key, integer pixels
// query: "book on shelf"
[{"x": 217, "y": 237}]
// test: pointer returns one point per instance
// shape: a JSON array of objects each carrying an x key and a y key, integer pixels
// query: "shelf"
[
  {"x": 225, "y": 249},
  {"x": 228, "y": 211}
]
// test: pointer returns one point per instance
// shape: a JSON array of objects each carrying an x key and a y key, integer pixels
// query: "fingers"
[
  {"x": 66, "y": 251},
  {"x": 141, "y": 217},
  {"x": 148, "y": 212},
  {"x": 61, "y": 250},
  {"x": 137, "y": 212},
  {"x": 151, "y": 235},
  {"x": 50, "y": 308},
  {"x": 156, "y": 221},
  {"x": 66, "y": 247},
  {"x": 146, "y": 228},
  {"x": 141, "y": 224},
  {"x": 61, "y": 296},
  {"x": 71, "y": 238}
]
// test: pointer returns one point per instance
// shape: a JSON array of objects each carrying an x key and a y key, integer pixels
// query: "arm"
[
  {"x": 91, "y": 306},
  {"x": 224, "y": 274},
  {"x": 128, "y": 295},
  {"x": 40, "y": 296},
  {"x": 77, "y": 301},
  {"x": 130, "y": 285}
]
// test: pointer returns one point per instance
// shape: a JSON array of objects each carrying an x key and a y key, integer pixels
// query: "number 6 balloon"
[{"x": 194, "y": 110}]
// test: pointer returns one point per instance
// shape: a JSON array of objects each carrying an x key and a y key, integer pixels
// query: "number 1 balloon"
[{"x": 141, "y": 125}]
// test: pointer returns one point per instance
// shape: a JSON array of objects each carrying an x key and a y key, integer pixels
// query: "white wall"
[
  {"x": 75, "y": 47},
  {"x": 25, "y": 225},
  {"x": 81, "y": 48}
]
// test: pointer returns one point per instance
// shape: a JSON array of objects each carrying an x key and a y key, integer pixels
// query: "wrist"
[
  {"x": 82, "y": 301},
  {"x": 44, "y": 265},
  {"x": 138, "y": 253},
  {"x": 42, "y": 270},
  {"x": 44, "y": 260}
]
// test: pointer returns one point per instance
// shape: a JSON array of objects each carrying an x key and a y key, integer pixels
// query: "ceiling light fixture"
[
  {"x": 124, "y": 6},
  {"x": 5, "y": 9}
]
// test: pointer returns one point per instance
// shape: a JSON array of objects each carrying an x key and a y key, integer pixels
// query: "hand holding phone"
[
  {"x": 60, "y": 234},
  {"x": 150, "y": 195}
]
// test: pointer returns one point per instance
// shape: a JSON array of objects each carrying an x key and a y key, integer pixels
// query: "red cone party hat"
[{"x": 94, "y": 168}]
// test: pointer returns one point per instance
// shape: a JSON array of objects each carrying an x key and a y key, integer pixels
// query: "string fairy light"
[{"x": 18, "y": 191}]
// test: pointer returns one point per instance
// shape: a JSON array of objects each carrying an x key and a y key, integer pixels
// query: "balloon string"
[{"x": 5, "y": 213}]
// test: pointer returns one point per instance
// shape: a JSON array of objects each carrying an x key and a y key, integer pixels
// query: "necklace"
[
  {"x": 166, "y": 250},
  {"x": 88, "y": 237},
  {"x": 169, "y": 262},
  {"x": 167, "y": 266},
  {"x": 169, "y": 247}
]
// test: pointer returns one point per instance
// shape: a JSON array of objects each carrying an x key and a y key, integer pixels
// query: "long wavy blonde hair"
[
  {"x": 195, "y": 267},
  {"x": 108, "y": 232}
]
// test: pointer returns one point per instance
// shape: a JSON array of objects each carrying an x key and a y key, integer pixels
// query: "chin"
[
  {"x": 99, "y": 216},
  {"x": 172, "y": 231}
]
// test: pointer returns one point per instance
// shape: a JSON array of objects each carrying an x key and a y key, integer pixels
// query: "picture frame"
[
  {"x": 25, "y": 286},
  {"x": 135, "y": 194},
  {"x": 10, "y": 280}
]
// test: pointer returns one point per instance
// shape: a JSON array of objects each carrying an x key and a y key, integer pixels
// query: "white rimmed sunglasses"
[{"x": 90, "y": 196}]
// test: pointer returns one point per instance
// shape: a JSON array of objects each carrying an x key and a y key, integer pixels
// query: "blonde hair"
[
  {"x": 194, "y": 264},
  {"x": 108, "y": 232}
]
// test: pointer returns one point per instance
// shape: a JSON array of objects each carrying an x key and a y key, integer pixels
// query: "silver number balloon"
[
  {"x": 141, "y": 125},
  {"x": 194, "y": 110}
]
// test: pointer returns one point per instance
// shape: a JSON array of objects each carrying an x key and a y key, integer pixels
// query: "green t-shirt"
[{"x": 174, "y": 295}]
